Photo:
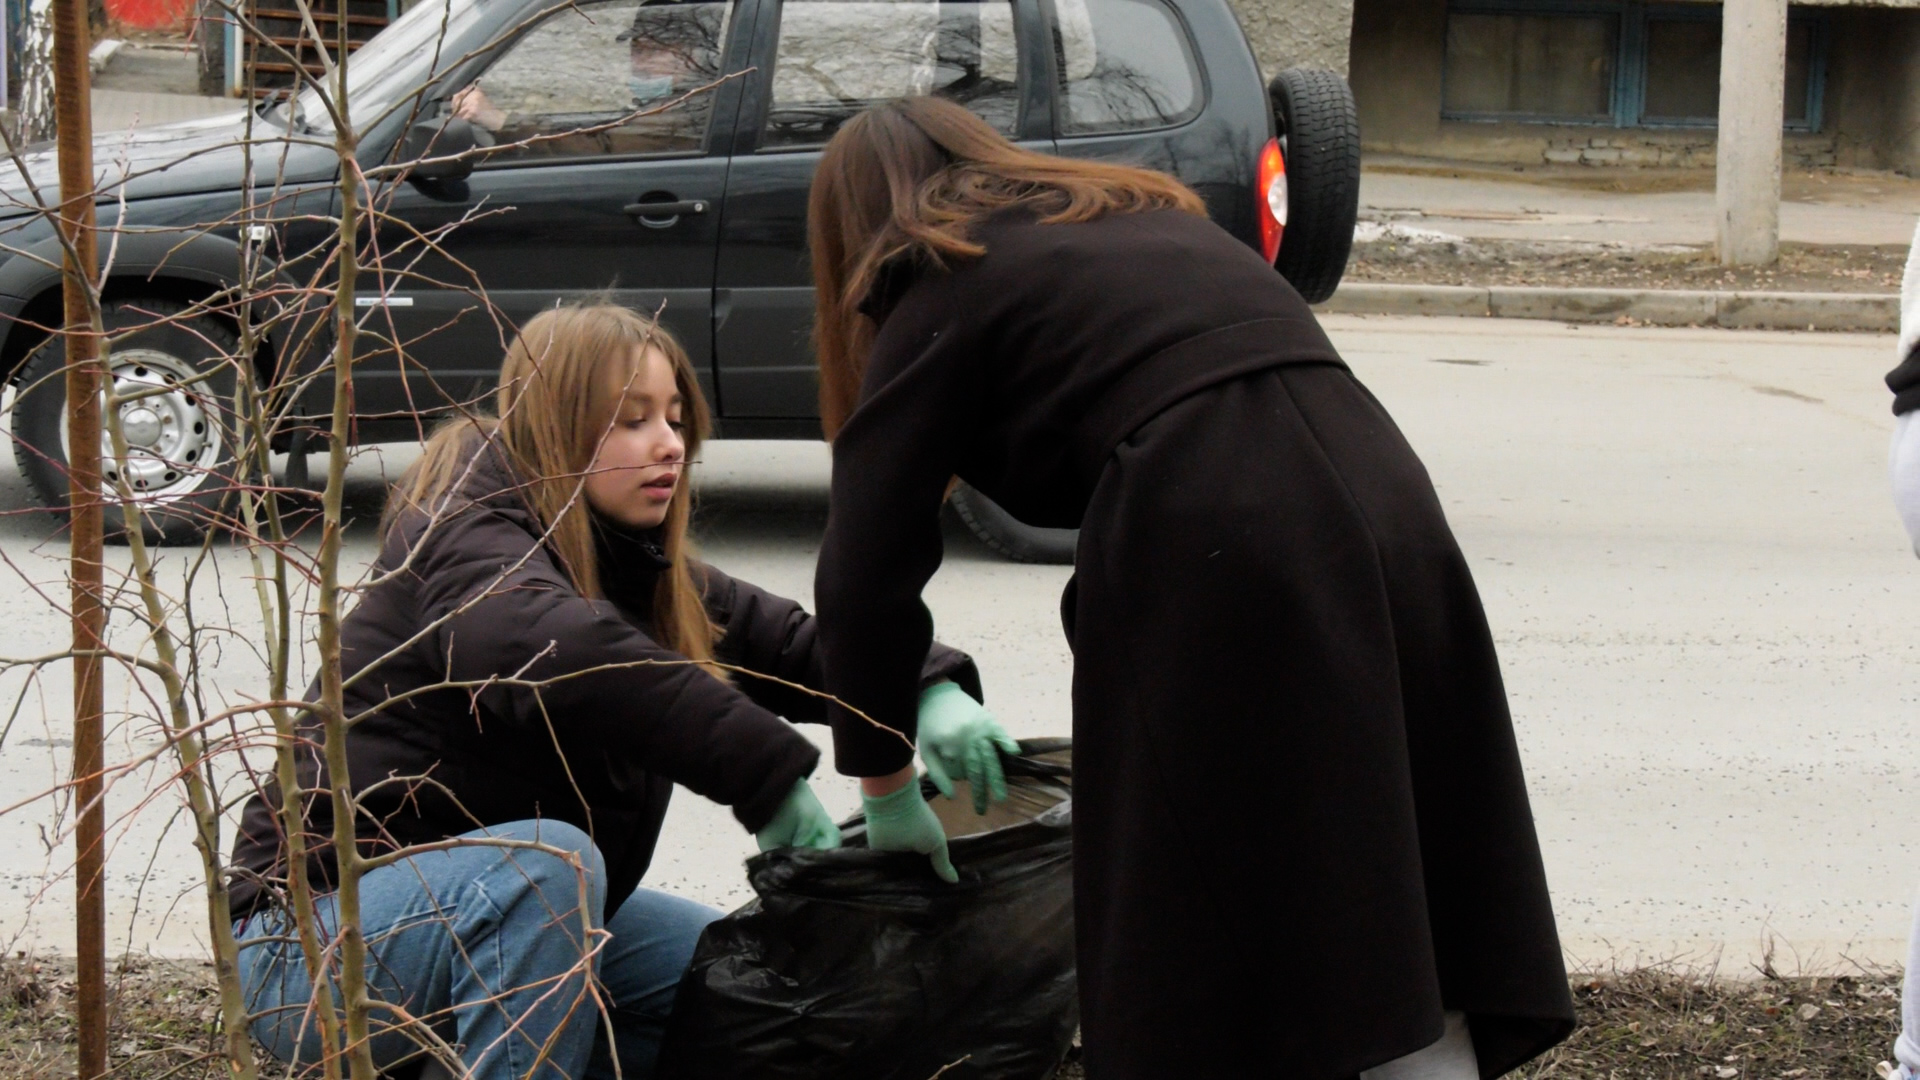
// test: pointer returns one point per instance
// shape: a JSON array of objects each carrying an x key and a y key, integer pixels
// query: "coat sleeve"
[
  {"x": 773, "y": 635},
  {"x": 500, "y": 608},
  {"x": 891, "y": 464}
]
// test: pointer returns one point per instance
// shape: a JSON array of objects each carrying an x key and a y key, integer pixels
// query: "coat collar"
[
  {"x": 900, "y": 273},
  {"x": 890, "y": 284},
  {"x": 631, "y": 561}
]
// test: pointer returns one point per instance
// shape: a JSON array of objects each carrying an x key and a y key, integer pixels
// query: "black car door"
[
  {"x": 1130, "y": 86},
  {"x": 817, "y": 62},
  {"x": 581, "y": 198}
]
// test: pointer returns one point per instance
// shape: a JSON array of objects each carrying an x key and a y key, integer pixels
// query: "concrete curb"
[{"x": 1653, "y": 307}]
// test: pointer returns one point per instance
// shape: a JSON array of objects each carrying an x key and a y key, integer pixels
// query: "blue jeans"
[{"x": 485, "y": 945}]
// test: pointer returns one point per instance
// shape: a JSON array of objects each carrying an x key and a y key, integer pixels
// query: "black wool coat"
[
  {"x": 1301, "y": 830},
  {"x": 601, "y": 751}
]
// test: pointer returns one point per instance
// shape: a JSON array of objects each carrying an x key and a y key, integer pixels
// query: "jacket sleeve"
[
  {"x": 773, "y": 635},
  {"x": 891, "y": 463},
  {"x": 502, "y": 609}
]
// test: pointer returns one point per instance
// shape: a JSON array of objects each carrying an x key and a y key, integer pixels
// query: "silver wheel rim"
[{"x": 172, "y": 439}]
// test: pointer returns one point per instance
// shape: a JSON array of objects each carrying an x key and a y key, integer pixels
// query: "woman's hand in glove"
[
  {"x": 800, "y": 822},
  {"x": 960, "y": 739},
  {"x": 902, "y": 821}
]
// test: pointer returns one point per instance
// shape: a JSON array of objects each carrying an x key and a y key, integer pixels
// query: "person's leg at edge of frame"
[
  {"x": 1906, "y": 1046},
  {"x": 653, "y": 935},
  {"x": 486, "y": 940},
  {"x": 1905, "y": 468}
]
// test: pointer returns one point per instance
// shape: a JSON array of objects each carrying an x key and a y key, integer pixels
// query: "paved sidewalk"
[
  {"x": 1656, "y": 207},
  {"x": 145, "y": 86},
  {"x": 1440, "y": 212},
  {"x": 120, "y": 110}
]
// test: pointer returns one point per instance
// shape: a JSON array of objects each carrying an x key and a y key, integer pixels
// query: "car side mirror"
[{"x": 441, "y": 137}]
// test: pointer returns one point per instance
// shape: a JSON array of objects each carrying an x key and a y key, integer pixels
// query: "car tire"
[
  {"x": 1320, "y": 128},
  {"x": 181, "y": 443},
  {"x": 1009, "y": 536}
]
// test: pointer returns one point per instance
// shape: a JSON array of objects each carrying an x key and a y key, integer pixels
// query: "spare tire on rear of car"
[{"x": 1319, "y": 129}]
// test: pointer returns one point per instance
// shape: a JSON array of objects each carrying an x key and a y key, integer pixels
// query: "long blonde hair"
[
  {"x": 560, "y": 387},
  {"x": 916, "y": 177}
]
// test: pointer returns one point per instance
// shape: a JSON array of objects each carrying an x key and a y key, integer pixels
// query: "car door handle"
[{"x": 659, "y": 210}]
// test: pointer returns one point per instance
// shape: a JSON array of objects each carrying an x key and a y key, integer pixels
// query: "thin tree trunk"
[{"x": 73, "y": 108}]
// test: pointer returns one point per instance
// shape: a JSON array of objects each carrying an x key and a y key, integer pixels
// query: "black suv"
[{"x": 697, "y": 212}]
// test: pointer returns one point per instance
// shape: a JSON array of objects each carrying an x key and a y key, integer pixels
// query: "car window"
[
  {"x": 396, "y": 63},
  {"x": 836, "y": 57},
  {"x": 1122, "y": 65},
  {"x": 600, "y": 79}
]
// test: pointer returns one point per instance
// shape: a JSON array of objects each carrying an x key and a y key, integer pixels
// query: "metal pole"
[
  {"x": 1753, "y": 78},
  {"x": 73, "y": 113}
]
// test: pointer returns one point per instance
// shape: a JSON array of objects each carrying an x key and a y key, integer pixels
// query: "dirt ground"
[
  {"x": 1802, "y": 268},
  {"x": 163, "y": 1020},
  {"x": 1641, "y": 1025}
]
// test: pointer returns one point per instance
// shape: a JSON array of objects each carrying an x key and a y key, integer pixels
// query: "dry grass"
[
  {"x": 164, "y": 1020},
  {"x": 1636, "y": 1025},
  {"x": 1651, "y": 1025},
  {"x": 1655, "y": 1025}
]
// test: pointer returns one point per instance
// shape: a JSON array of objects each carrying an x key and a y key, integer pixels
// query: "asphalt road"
[{"x": 1687, "y": 553}]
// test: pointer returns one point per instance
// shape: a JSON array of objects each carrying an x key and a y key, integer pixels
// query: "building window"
[
  {"x": 1531, "y": 66},
  {"x": 1623, "y": 63},
  {"x": 1683, "y": 72}
]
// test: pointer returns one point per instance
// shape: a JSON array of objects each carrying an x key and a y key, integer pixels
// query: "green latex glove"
[
  {"x": 800, "y": 822},
  {"x": 903, "y": 821},
  {"x": 960, "y": 739}
]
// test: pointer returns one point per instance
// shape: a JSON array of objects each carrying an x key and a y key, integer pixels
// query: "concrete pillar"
[{"x": 1753, "y": 75}]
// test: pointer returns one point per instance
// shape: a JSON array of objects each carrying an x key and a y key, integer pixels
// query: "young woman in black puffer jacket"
[{"x": 537, "y": 661}]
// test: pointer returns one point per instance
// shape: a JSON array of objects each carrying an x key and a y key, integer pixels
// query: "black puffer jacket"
[{"x": 601, "y": 750}]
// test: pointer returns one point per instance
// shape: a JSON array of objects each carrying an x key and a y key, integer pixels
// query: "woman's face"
[{"x": 642, "y": 458}]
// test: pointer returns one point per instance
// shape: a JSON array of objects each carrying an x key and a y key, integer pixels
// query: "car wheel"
[
  {"x": 1007, "y": 534},
  {"x": 1320, "y": 140},
  {"x": 180, "y": 461}
]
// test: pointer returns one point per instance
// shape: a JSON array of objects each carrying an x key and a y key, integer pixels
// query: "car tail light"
[{"x": 1271, "y": 193}]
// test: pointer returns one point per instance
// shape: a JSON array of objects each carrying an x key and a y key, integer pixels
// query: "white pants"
[
  {"x": 1904, "y": 463},
  {"x": 1449, "y": 1059},
  {"x": 1906, "y": 1048}
]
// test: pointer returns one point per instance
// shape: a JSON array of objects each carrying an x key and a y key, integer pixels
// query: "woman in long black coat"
[{"x": 1302, "y": 837}]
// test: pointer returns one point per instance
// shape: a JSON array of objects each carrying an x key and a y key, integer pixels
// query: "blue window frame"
[{"x": 1615, "y": 63}]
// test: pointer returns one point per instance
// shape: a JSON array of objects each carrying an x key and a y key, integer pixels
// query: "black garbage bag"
[{"x": 862, "y": 965}]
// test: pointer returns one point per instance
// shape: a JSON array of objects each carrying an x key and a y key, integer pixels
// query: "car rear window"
[
  {"x": 1122, "y": 65},
  {"x": 837, "y": 57}
]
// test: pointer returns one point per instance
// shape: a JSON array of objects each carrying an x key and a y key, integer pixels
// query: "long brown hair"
[
  {"x": 914, "y": 177},
  {"x": 560, "y": 387}
]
